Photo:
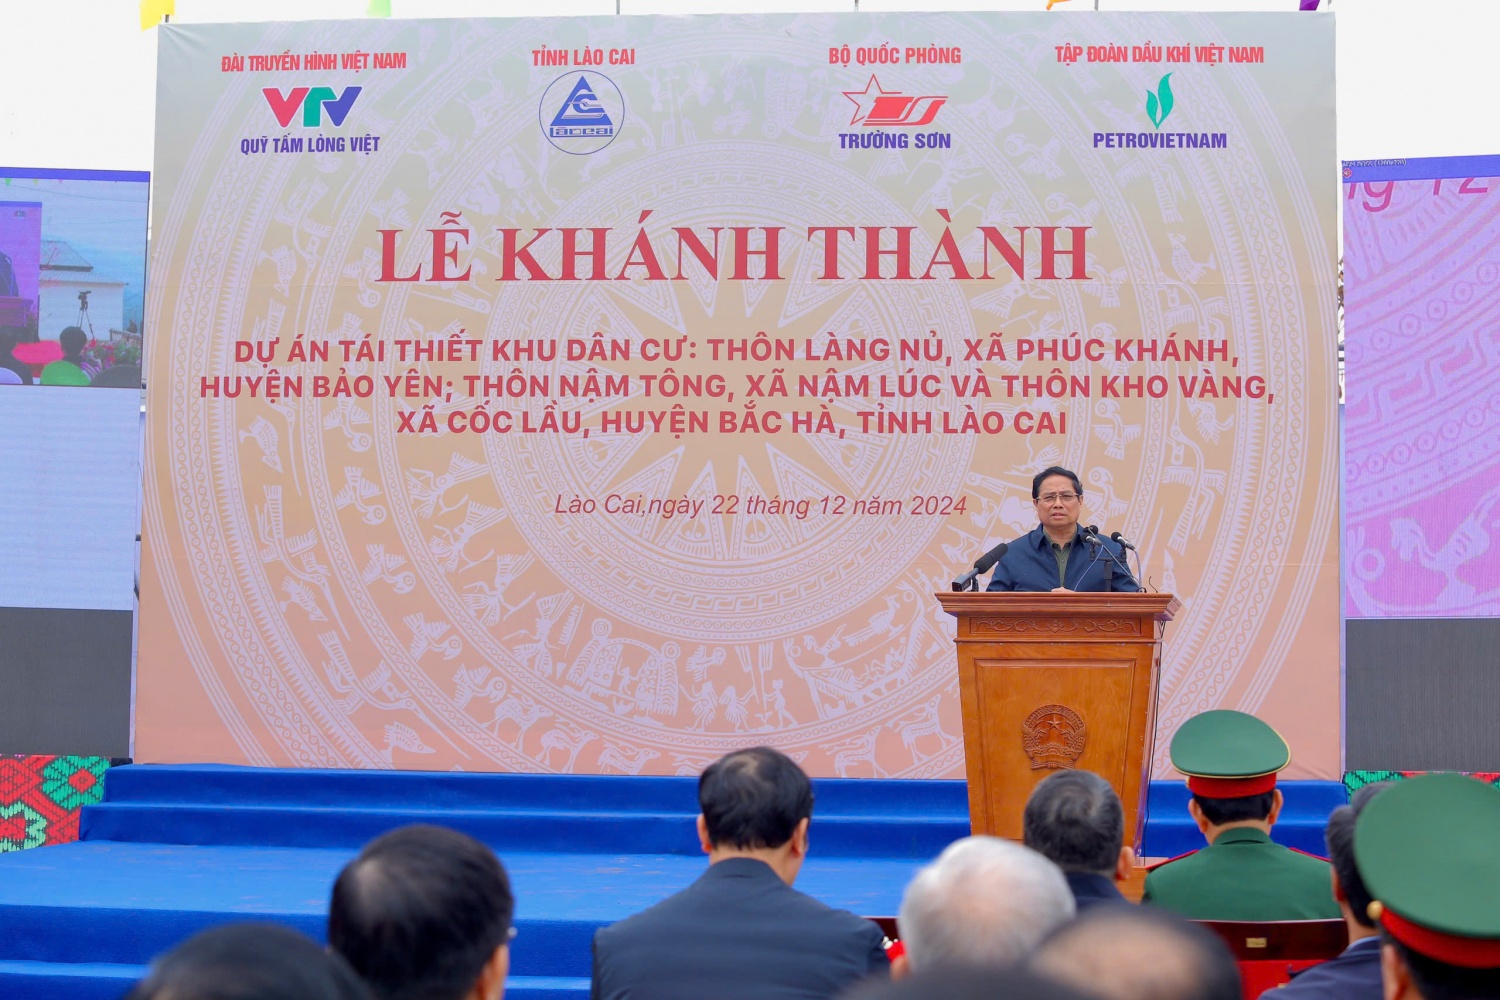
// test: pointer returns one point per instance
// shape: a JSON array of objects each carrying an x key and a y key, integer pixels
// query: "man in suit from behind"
[
  {"x": 741, "y": 930},
  {"x": 1355, "y": 973},
  {"x": 1075, "y": 820}
]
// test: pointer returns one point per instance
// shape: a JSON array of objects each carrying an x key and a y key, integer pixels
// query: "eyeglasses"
[{"x": 1051, "y": 498}]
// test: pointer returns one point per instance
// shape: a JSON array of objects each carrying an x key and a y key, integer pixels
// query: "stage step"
[
  {"x": 97, "y": 981},
  {"x": 206, "y": 804},
  {"x": 218, "y": 804},
  {"x": 67, "y": 980}
]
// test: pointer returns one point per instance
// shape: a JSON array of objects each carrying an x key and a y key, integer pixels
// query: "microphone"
[
  {"x": 984, "y": 562},
  {"x": 1092, "y": 536},
  {"x": 970, "y": 580},
  {"x": 1124, "y": 543}
]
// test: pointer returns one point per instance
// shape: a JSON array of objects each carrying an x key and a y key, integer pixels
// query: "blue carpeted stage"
[{"x": 173, "y": 849}]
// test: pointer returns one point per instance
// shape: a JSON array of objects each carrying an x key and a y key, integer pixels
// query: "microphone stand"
[{"x": 1091, "y": 535}]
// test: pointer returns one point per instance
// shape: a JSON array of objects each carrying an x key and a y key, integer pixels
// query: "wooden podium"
[{"x": 1052, "y": 681}]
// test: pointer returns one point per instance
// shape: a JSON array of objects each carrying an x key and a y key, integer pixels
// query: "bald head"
[
  {"x": 1122, "y": 952},
  {"x": 983, "y": 902}
]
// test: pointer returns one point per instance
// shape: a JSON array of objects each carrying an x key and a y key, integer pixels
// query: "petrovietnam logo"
[
  {"x": 313, "y": 102},
  {"x": 875, "y": 107},
  {"x": 1159, "y": 104},
  {"x": 581, "y": 113}
]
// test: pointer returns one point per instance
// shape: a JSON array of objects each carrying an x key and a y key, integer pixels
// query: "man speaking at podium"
[{"x": 1057, "y": 555}]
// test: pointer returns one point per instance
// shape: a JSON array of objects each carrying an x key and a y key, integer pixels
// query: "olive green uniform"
[{"x": 1243, "y": 875}]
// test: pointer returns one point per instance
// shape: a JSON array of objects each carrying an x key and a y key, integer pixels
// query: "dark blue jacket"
[
  {"x": 1029, "y": 564},
  {"x": 1353, "y": 975},
  {"x": 1090, "y": 889},
  {"x": 737, "y": 933}
]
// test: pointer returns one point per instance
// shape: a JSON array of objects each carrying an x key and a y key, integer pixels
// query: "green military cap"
[
  {"x": 1426, "y": 850},
  {"x": 1227, "y": 754}
]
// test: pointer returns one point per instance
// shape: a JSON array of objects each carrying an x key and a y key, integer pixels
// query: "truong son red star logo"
[{"x": 877, "y": 108}]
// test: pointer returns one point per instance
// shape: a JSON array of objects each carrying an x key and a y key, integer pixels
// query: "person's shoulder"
[
  {"x": 1302, "y": 862},
  {"x": 1345, "y": 977},
  {"x": 811, "y": 912},
  {"x": 1177, "y": 865},
  {"x": 1176, "y": 881},
  {"x": 676, "y": 908}
]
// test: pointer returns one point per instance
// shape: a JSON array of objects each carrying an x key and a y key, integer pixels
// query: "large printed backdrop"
[
  {"x": 357, "y": 580},
  {"x": 1422, "y": 431}
]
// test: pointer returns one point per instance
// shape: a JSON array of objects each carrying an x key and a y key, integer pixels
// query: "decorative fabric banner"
[
  {"x": 41, "y": 797},
  {"x": 602, "y": 395},
  {"x": 1355, "y": 780}
]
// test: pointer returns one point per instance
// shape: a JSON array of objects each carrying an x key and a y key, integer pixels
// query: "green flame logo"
[{"x": 1159, "y": 104}]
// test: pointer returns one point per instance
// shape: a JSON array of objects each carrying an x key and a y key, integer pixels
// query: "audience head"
[
  {"x": 1425, "y": 849},
  {"x": 72, "y": 341},
  {"x": 961, "y": 983},
  {"x": 983, "y": 902},
  {"x": 1074, "y": 819},
  {"x": 755, "y": 800},
  {"x": 1231, "y": 760},
  {"x": 249, "y": 962},
  {"x": 1348, "y": 888},
  {"x": 1123, "y": 952},
  {"x": 424, "y": 913}
]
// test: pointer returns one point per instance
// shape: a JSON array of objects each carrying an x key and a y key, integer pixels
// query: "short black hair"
[
  {"x": 1238, "y": 809},
  {"x": 1340, "y": 839},
  {"x": 1074, "y": 819},
  {"x": 72, "y": 335},
  {"x": 420, "y": 912},
  {"x": 1054, "y": 470},
  {"x": 754, "y": 798},
  {"x": 1440, "y": 981},
  {"x": 249, "y": 962}
]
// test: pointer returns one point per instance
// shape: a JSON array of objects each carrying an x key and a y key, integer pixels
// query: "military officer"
[
  {"x": 1353, "y": 974},
  {"x": 1231, "y": 760},
  {"x": 1426, "y": 849}
]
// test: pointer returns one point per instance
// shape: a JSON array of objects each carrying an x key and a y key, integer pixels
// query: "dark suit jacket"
[
  {"x": 1353, "y": 975},
  {"x": 737, "y": 932},
  {"x": 1090, "y": 889},
  {"x": 1029, "y": 564}
]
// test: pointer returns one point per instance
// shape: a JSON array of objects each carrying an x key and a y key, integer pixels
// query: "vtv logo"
[{"x": 313, "y": 101}]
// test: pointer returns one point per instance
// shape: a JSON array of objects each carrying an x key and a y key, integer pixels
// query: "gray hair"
[{"x": 985, "y": 901}]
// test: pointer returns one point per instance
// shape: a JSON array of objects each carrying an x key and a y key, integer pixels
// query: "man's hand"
[{"x": 1061, "y": 590}]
